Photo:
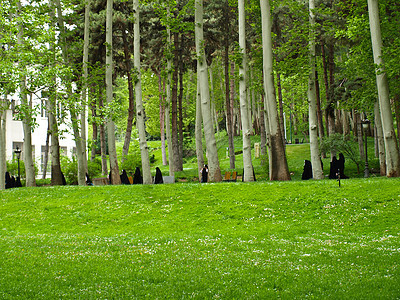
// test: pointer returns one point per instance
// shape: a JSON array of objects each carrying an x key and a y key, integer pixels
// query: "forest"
[{"x": 324, "y": 72}]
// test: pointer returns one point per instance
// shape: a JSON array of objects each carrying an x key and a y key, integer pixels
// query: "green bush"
[{"x": 345, "y": 144}]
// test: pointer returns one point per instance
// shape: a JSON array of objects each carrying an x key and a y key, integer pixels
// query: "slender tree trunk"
[
  {"x": 247, "y": 163},
  {"x": 73, "y": 107},
  {"x": 161, "y": 90},
  {"x": 168, "y": 105},
  {"x": 396, "y": 101},
  {"x": 263, "y": 134},
  {"x": 180, "y": 110},
  {"x": 279, "y": 168},
  {"x": 112, "y": 151},
  {"x": 198, "y": 130},
  {"x": 85, "y": 85},
  {"x": 391, "y": 146},
  {"x": 321, "y": 133},
  {"x": 3, "y": 166},
  {"x": 280, "y": 101},
  {"x": 229, "y": 119},
  {"x": 312, "y": 101},
  {"x": 211, "y": 145},
  {"x": 46, "y": 149},
  {"x": 27, "y": 119},
  {"x": 380, "y": 138},
  {"x": 131, "y": 108},
  {"x": 140, "y": 114}
]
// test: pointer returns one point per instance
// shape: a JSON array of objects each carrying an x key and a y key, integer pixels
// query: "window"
[
  {"x": 43, "y": 104},
  {"x": 63, "y": 151},
  {"x": 42, "y": 158}
]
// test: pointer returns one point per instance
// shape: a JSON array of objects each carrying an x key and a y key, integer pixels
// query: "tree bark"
[
  {"x": 168, "y": 104},
  {"x": 247, "y": 163},
  {"x": 198, "y": 130},
  {"x": 317, "y": 172},
  {"x": 380, "y": 138},
  {"x": 279, "y": 169},
  {"x": 27, "y": 118},
  {"x": 140, "y": 114},
  {"x": 161, "y": 90},
  {"x": 211, "y": 145},
  {"x": 3, "y": 161},
  {"x": 112, "y": 151},
  {"x": 391, "y": 146},
  {"x": 131, "y": 107}
]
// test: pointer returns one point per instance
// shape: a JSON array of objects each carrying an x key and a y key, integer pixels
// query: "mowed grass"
[{"x": 260, "y": 240}]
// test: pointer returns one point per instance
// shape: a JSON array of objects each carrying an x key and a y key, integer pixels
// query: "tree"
[
  {"x": 213, "y": 161},
  {"x": 314, "y": 148},
  {"x": 144, "y": 150},
  {"x": 26, "y": 108},
  {"x": 247, "y": 164},
  {"x": 391, "y": 146},
  {"x": 114, "y": 170},
  {"x": 278, "y": 164}
]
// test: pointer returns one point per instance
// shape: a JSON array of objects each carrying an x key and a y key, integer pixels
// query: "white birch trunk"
[
  {"x": 247, "y": 164},
  {"x": 114, "y": 169},
  {"x": 211, "y": 145},
  {"x": 144, "y": 149},
  {"x": 391, "y": 147},
  {"x": 312, "y": 101},
  {"x": 27, "y": 119},
  {"x": 278, "y": 164}
]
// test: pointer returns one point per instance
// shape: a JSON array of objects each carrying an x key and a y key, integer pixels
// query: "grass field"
[{"x": 261, "y": 240}]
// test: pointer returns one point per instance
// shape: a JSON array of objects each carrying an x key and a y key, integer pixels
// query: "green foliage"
[
  {"x": 340, "y": 143},
  {"x": 229, "y": 240},
  {"x": 69, "y": 167}
]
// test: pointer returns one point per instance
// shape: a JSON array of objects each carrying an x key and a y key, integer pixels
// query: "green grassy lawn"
[{"x": 261, "y": 240}]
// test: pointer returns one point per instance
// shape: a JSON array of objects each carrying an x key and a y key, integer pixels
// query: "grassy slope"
[{"x": 229, "y": 240}]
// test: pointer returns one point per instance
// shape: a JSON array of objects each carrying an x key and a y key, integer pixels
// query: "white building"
[{"x": 15, "y": 135}]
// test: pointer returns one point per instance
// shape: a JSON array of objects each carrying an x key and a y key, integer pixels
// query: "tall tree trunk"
[
  {"x": 161, "y": 91},
  {"x": 232, "y": 96},
  {"x": 112, "y": 151},
  {"x": 140, "y": 114},
  {"x": 229, "y": 119},
  {"x": 317, "y": 172},
  {"x": 321, "y": 133},
  {"x": 46, "y": 149},
  {"x": 85, "y": 84},
  {"x": 380, "y": 138},
  {"x": 391, "y": 146},
  {"x": 3, "y": 166},
  {"x": 180, "y": 109},
  {"x": 263, "y": 133},
  {"x": 279, "y": 168},
  {"x": 211, "y": 145},
  {"x": 27, "y": 118},
  {"x": 131, "y": 108},
  {"x": 168, "y": 104},
  {"x": 280, "y": 101},
  {"x": 396, "y": 101},
  {"x": 247, "y": 163},
  {"x": 73, "y": 107},
  {"x": 174, "y": 106},
  {"x": 198, "y": 130}
]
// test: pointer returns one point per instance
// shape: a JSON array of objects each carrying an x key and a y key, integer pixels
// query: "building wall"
[{"x": 15, "y": 137}]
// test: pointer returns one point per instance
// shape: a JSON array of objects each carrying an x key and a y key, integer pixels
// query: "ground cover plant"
[{"x": 259, "y": 240}]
